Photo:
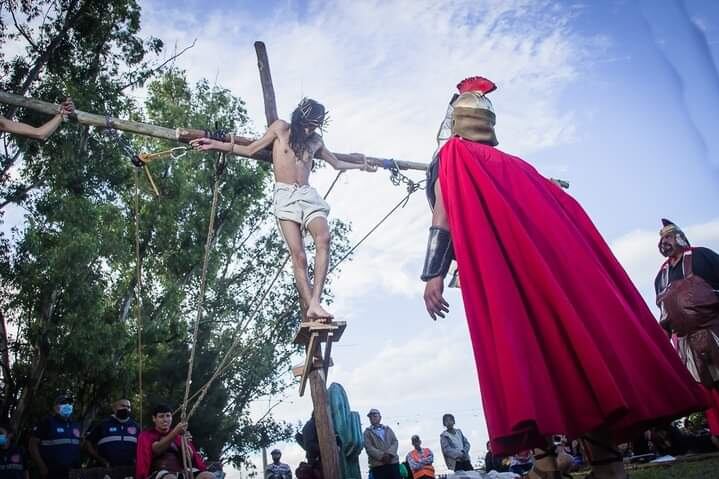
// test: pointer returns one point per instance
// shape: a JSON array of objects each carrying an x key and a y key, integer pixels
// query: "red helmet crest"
[{"x": 476, "y": 84}]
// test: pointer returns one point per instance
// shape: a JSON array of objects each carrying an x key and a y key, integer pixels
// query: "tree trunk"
[
  {"x": 39, "y": 363},
  {"x": 8, "y": 383}
]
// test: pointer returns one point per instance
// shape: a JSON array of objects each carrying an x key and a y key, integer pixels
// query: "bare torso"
[{"x": 287, "y": 167}]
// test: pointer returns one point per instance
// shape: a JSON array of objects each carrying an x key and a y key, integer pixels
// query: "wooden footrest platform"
[
  {"x": 298, "y": 370},
  {"x": 324, "y": 331},
  {"x": 311, "y": 335}
]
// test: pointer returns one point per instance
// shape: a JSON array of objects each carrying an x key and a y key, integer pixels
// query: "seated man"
[
  {"x": 159, "y": 449},
  {"x": 42, "y": 132}
]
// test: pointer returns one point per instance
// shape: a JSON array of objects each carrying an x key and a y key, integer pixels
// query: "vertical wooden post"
[
  {"x": 325, "y": 428},
  {"x": 268, "y": 91}
]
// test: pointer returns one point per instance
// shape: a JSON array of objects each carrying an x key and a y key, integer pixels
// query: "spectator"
[
  {"x": 113, "y": 442},
  {"x": 381, "y": 445},
  {"x": 521, "y": 463},
  {"x": 159, "y": 449},
  {"x": 13, "y": 461},
  {"x": 492, "y": 462},
  {"x": 55, "y": 441},
  {"x": 455, "y": 447},
  {"x": 420, "y": 460},
  {"x": 42, "y": 132},
  {"x": 277, "y": 469}
]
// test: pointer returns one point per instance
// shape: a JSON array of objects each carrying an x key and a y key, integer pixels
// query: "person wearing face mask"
[
  {"x": 687, "y": 288},
  {"x": 113, "y": 442},
  {"x": 13, "y": 461},
  {"x": 55, "y": 441}
]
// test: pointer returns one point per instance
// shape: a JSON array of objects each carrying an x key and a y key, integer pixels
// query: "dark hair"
[
  {"x": 160, "y": 408},
  {"x": 447, "y": 416},
  {"x": 308, "y": 114},
  {"x": 8, "y": 428}
]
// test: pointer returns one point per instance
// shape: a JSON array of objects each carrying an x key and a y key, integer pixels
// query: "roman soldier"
[
  {"x": 563, "y": 341},
  {"x": 687, "y": 288}
]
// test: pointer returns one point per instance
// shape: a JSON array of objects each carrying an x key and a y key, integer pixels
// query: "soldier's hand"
[{"x": 433, "y": 300}]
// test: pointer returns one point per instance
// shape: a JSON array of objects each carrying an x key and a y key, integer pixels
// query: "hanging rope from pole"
[
  {"x": 138, "y": 290},
  {"x": 184, "y": 417}
]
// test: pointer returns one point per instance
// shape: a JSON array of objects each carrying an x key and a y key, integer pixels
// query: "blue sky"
[{"x": 620, "y": 98}]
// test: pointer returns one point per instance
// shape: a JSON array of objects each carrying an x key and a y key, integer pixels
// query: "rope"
[
  {"x": 203, "y": 282},
  {"x": 401, "y": 204},
  {"x": 219, "y": 169},
  {"x": 138, "y": 289},
  {"x": 224, "y": 364}
]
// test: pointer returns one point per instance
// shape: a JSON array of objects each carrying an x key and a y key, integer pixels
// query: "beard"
[{"x": 667, "y": 249}]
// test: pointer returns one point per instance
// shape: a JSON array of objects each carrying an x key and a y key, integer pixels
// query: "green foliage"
[{"x": 68, "y": 273}]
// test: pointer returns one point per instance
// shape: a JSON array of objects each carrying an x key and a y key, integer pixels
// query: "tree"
[{"x": 68, "y": 274}]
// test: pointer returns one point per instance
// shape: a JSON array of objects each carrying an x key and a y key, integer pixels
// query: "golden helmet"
[{"x": 473, "y": 116}]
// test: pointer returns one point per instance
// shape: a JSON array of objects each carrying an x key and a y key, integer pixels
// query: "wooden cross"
[{"x": 311, "y": 334}]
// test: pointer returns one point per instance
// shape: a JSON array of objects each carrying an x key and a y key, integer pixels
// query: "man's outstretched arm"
[
  {"x": 42, "y": 132},
  {"x": 326, "y": 155},
  {"x": 208, "y": 144},
  {"x": 438, "y": 258}
]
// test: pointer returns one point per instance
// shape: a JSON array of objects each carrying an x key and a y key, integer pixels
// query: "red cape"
[{"x": 563, "y": 341}]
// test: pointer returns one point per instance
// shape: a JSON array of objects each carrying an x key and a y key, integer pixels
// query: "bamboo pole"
[{"x": 182, "y": 135}]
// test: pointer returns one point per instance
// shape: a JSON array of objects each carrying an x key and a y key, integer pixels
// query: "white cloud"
[{"x": 385, "y": 70}]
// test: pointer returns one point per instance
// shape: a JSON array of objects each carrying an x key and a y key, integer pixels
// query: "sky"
[{"x": 620, "y": 98}]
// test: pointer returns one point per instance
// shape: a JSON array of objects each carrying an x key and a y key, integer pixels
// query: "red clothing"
[
  {"x": 562, "y": 340},
  {"x": 143, "y": 466}
]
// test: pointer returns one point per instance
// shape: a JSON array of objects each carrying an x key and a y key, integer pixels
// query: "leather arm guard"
[{"x": 439, "y": 254}]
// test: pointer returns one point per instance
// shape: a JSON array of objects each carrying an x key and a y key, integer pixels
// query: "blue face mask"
[
  {"x": 66, "y": 410},
  {"x": 3, "y": 439}
]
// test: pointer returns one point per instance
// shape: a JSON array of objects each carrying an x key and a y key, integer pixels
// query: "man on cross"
[{"x": 296, "y": 204}]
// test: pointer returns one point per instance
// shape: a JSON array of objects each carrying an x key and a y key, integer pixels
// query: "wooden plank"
[
  {"x": 299, "y": 369},
  {"x": 182, "y": 135},
  {"x": 268, "y": 90},
  {"x": 328, "y": 353},
  {"x": 325, "y": 428},
  {"x": 306, "y": 328},
  {"x": 314, "y": 341}
]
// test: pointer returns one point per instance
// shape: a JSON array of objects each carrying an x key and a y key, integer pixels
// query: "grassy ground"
[{"x": 695, "y": 467}]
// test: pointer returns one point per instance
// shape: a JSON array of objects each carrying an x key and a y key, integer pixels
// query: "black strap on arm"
[{"x": 439, "y": 254}]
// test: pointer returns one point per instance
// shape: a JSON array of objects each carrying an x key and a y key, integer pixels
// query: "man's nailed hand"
[
  {"x": 366, "y": 166},
  {"x": 205, "y": 144},
  {"x": 66, "y": 108}
]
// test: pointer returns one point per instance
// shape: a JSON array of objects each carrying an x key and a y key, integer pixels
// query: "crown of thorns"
[{"x": 311, "y": 117}]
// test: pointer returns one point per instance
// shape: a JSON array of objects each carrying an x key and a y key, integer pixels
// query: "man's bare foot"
[{"x": 315, "y": 312}]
